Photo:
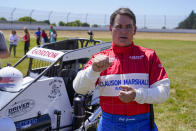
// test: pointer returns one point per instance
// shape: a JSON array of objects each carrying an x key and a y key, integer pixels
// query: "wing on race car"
[{"x": 44, "y": 54}]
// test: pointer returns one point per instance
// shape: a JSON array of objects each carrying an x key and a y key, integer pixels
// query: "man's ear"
[{"x": 135, "y": 29}]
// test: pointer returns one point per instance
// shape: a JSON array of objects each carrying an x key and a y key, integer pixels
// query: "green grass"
[{"x": 178, "y": 113}]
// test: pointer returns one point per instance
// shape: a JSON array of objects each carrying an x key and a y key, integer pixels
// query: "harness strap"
[{"x": 151, "y": 117}]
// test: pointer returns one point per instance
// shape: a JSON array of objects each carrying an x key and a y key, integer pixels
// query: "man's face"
[{"x": 123, "y": 30}]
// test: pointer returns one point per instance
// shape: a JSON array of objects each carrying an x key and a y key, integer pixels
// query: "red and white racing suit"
[{"x": 135, "y": 66}]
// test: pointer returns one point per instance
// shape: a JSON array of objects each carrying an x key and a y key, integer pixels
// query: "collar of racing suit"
[{"x": 122, "y": 49}]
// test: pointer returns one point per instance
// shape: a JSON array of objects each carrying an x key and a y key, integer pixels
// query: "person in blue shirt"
[{"x": 38, "y": 36}]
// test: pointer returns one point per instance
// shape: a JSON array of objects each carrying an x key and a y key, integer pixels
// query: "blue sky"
[
  {"x": 153, "y": 11},
  {"x": 149, "y": 7}
]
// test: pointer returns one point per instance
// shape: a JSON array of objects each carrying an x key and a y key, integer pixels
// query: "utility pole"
[
  {"x": 86, "y": 17},
  {"x": 105, "y": 20},
  {"x": 165, "y": 21},
  {"x": 12, "y": 13},
  {"x": 30, "y": 15},
  {"x": 50, "y": 13},
  {"x": 68, "y": 16},
  {"x": 144, "y": 21}
]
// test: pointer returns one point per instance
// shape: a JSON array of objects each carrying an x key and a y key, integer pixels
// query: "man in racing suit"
[{"x": 129, "y": 78}]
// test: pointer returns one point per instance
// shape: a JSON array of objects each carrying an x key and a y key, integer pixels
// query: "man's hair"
[{"x": 122, "y": 11}]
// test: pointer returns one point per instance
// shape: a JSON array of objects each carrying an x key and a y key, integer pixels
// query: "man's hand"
[
  {"x": 100, "y": 63},
  {"x": 127, "y": 94}
]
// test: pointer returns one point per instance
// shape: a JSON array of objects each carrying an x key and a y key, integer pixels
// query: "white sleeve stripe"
[
  {"x": 158, "y": 93},
  {"x": 85, "y": 80},
  {"x": 158, "y": 82}
]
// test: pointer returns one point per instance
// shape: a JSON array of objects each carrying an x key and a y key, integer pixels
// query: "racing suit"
[{"x": 135, "y": 66}]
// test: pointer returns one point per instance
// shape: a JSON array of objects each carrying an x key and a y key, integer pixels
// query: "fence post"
[
  {"x": 105, "y": 20},
  {"x": 144, "y": 21},
  {"x": 165, "y": 21},
  {"x": 86, "y": 17},
  {"x": 30, "y": 15},
  {"x": 68, "y": 16},
  {"x": 12, "y": 13},
  {"x": 50, "y": 13}
]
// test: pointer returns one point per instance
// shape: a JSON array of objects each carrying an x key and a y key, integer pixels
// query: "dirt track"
[{"x": 105, "y": 34}]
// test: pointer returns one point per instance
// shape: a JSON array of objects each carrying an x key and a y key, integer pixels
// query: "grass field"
[{"x": 178, "y": 55}]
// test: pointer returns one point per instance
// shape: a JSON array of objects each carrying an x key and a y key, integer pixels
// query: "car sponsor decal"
[
  {"x": 137, "y": 57},
  {"x": 25, "y": 124},
  {"x": 55, "y": 91},
  {"x": 110, "y": 85},
  {"x": 45, "y": 54},
  {"x": 20, "y": 107}
]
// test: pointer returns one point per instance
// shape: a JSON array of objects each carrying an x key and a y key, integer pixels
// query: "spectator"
[
  {"x": 91, "y": 35},
  {"x": 44, "y": 37},
  {"x": 13, "y": 40},
  {"x": 4, "y": 53},
  {"x": 26, "y": 40},
  {"x": 53, "y": 36},
  {"x": 38, "y": 36},
  {"x": 52, "y": 31}
]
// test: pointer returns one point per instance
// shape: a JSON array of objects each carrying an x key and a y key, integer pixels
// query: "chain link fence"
[{"x": 143, "y": 21}]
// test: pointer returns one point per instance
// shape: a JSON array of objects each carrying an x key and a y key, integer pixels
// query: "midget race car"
[{"x": 41, "y": 96}]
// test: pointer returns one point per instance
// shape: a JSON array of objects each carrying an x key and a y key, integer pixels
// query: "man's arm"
[
  {"x": 86, "y": 79},
  {"x": 4, "y": 53},
  {"x": 157, "y": 93}
]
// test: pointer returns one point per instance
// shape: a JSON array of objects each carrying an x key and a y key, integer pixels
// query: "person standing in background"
[
  {"x": 4, "y": 53},
  {"x": 44, "y": 37},
  {"x": 52, "y": 31},
  {"x": 53, "y": 36},
  {"x": 13, "y": 41},
  {"x": 26, "y": 40},
  {"x": 38, "y": 36}
]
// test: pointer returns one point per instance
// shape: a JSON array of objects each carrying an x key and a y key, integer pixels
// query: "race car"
[{"x": 36, "y": 93}]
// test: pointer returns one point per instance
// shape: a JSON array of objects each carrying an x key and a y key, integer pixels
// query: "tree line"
[
  {"x": 26, "y": 19},
  {"x": 189, "y": 22},
  {"x": 61, "y": 23},
  {"x": 76, "y": 23}
]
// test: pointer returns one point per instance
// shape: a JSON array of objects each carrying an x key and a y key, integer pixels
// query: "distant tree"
[
  {"x": 46, "y": 21},
  {"x": 189, "y": 22},
  {"x": 194, "y": 25},
  {"x": 94, "y": 25},
  {"x": 68, "y": 24},
  {"x": 77, "y": 23},
  {"x": 61, "y": 23},
  {"x": 163, "y": 27},
  {"x": 53, "y": 24},
  {"x": 74, "y": 23},
  {"x": 27, "y": 19},
  {"x": 85, "y": 24},
  {"x": 3, "y": 19}
]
